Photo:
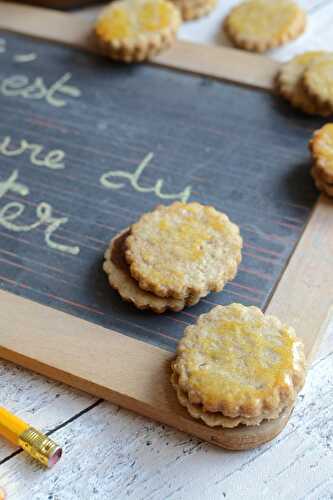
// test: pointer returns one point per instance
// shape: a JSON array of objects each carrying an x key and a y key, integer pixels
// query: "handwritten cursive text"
[
  {"x": 134, "y": 180},
  {"x": 11, "y": 211},
  {"x": 52, "y": 159},
  {"x": 20, "y": 86}
]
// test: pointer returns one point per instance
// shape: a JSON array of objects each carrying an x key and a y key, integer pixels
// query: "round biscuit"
[
  {"x": 290, "y": 85},
  {"x": 217, "y": 418},
  {"x": 260, "y": 25},
  {"x": 120, "y": 279},
  {"x": 194, "y": 9},
  {"x": 240, "y": 362},
  {"x": 135, "y": 31},
  {"x": 321, "y": 185},
  {"x": 321, "y": 147},
  {"x": 183, "y": 250},
  {"x": 318, "y": 81}
]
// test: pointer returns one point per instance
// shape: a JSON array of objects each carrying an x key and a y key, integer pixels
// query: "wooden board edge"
[
  {"x": 140, "y": 383},
  {"x": 218, "y": 62},
  {"x": 303, "y": 297}
]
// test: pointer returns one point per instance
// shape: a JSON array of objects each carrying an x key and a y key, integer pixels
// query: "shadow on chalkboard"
[
  {"x": 298, "y": 117},
  {"x": 97, "y": 289},
  {"x": 298, "y": 183}
]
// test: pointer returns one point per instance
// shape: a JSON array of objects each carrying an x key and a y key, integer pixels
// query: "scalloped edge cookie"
[
  {"x": 183, "y": 250},
  {"x": 321, "y": 185},
  {"x": 120, "y": 279},
  {"x": 141, "y": 47},
  {"x": 202, "y": 374},
  {"x": 290, "y": 85},
  {"x": 318, "y": 81},
  {"x": 191, "y": 10},
  {"x": 218, "y": 419},
  {"x": 322, "y": 165},
  {"x": 243, "y": 41}
]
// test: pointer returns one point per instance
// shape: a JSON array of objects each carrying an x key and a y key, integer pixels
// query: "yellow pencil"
[{"x": 39, "y": 446}]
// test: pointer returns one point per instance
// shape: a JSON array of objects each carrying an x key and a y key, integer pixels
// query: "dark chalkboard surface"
[{"x": 83, "y": 143}]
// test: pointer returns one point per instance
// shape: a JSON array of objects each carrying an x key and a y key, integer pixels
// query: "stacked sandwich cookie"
[
  {"x": 193, "y": 9},
  {"x": 238, "y": 366},
  {"x": 174, "y": 256},
  {"x": 135, "y": 30},
  {"x": 305, "y": 82},
  {"x": 318, "y": 81},
  {"x": 321, "y": 148},
  {"x": 260, "y": 25}
]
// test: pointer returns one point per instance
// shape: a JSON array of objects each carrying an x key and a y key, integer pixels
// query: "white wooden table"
[{"x": 113, "y": 454}]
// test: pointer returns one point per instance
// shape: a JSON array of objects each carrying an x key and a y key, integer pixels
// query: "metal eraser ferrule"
[{"x": 40, "y": 447}]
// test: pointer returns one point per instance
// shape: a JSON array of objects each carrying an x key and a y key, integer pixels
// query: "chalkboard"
[{"x": 83, "y": 143}]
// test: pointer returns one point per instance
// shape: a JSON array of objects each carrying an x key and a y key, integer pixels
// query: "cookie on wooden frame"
[
  {"x": 184, "y": 251},
  {"x": 321, "y": 148},
  {"x": 240, "y": 364},
  {"x": 290, "y": 83},
  {"x": 194, "y": 9},
  {"x": 321, "y": 185},
  {"x": 135, "y": 30},
  {"x": 120, "y": 279},
  {"x": 318, "y": 81}
]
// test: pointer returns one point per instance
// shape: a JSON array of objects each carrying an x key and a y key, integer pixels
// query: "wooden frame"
[{"x": 306, "y": 284}]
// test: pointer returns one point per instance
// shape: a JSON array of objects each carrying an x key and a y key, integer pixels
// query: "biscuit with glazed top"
[
  {"x": 214, "y": 419},
  {"x": 194, "y": 9},
  {"x": 318, "y": 81},
  {"x": 321, "y": 147},
  {"x": 290, "y": 83},
  {"x": 260, "y": 25},
  {"x": 321, "y": 185},
  {"x": 238, "y": 363},
  {"x": 134, "y": 30},
  {"x": 184, "y": 250},
  {"x": 120, "y": 279}
]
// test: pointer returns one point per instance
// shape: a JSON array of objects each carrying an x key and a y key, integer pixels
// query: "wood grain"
[
  {"x": 219, "y": 62},
  {"x": 303, "y": 297},
  {"x": 127, "y": 456},
  {"x": 101, "y": 367},
  {"x": 39, "y": 400}
]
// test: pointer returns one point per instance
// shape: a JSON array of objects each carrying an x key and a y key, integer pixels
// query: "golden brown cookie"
[
  {"x": 134, "y": 30},
  {"x": 120, "y": 279},
  {"x": 321, "y": 185},
  {"x": 318, "y": 81},
  {"x": 184, "y": 250},
  {"x": 290, "y": 83},
  {"x": 238, "y": 363},
  {"x": 321, "y": 147},
  {"x": 194, "y": 9},
  {"x": 260, "y": 25},
  {"x": 214, "y": 419}
]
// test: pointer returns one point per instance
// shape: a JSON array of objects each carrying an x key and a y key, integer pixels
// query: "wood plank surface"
[
  {"x": 304, "y": 295},
  {"x": 36, "y": 399},
  {"x": 67, "y": 354},
  {"x": 112, "y": 453}
]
